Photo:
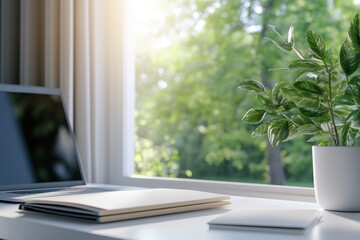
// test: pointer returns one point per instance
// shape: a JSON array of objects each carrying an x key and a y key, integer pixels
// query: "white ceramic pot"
[{"x": 337, "y": 177}]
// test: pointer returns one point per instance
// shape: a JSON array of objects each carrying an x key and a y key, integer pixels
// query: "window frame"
[{"x": 121, "y": 150}]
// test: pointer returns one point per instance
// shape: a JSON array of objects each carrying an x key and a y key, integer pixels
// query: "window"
[{"x": 189, "y": 56}]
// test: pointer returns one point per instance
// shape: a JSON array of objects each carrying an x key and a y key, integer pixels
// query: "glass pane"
[{"x": 190, "y": 57}]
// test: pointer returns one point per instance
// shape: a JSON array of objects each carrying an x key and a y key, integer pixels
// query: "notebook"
[
  {"x": 124, "y": 205},
  {"x": 268, "y": 220}
]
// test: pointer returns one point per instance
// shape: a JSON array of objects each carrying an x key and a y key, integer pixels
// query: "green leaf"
[
  {"x": 273, "y": 110},
  {"x": 291, "y": 35},
  {"x": 300, "y": 99},
  {"x": 330, "y": 59},
  {"x": 287, "y": 47},
  {"x": 322, "y": 78},
  {"x": 347, "y": 99},
  {"x": 252, "y": 85},
  {"x": 352, "y": 137},
  {"x": 339, "y": 88},
  {"x": 342, "y": 111},
  {"x": 344, "y": 133},
  {"x": 322, "y": 138},
  {"x": 354, "y": 119},
  {"x": 254, "y": 115},
  {"x": 300, "y": 74},
  {"x": 309, "y": 87},
  {"x": 355, "y": 80},
  {"x": 293, "y": 132},
  {"x": 298, "y": 53},
  {"x": 357, "y": 95},
  {"x": 354, "y": 31},
  {"x": 311, "y": 113},
  {"x": 305, "y": 66},
  {"x": 351, "y": 96},
  {"x": 308, "y": 129},
  {"x": 349, "y": 58},
  {"x": 288, "y": 105},
  {"x": 263, "y": 98},
  {"x": 348, "y": 135},
  {"x": 276, "y": 91},
  {"x": 300, "y": 120},
  {"x": 316, "y": 44},
  {"x": 278, "y": 131},
  {"x": 261, "y": 130}
]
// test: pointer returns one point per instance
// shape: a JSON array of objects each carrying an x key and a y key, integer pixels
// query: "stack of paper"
[{"x": 121, "y": 205}]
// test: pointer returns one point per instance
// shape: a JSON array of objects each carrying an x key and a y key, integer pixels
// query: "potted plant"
[{"x": 323, "y": 104}]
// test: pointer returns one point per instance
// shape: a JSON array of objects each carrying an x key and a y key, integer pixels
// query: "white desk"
[{"x": 15, "y": 224}]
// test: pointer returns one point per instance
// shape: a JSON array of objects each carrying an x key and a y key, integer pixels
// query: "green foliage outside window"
[{"x": 190, "y": 57}]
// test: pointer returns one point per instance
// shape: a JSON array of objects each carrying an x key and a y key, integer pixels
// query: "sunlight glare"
[
  {"x": 200, "y": 25},
  {"x": 144, "y": 12},
  {"x": 162, "y": 84},
  {"x": 149, "y": 17}
]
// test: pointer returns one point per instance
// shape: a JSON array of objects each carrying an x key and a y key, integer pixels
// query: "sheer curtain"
[{"x": 75, "y": 45}]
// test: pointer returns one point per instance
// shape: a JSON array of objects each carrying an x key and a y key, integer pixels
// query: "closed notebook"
[
  {"x": 288, "y": 220},
  {"x": 123, "y": 205}
]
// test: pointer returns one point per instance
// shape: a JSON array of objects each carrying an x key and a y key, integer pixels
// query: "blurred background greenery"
[{"x": 190, "y": 56}]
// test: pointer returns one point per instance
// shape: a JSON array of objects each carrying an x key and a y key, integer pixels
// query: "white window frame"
[{"x": 121, "y": 159}]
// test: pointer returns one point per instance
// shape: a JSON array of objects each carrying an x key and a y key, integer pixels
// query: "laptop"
[{"x": 38, "y": 153}]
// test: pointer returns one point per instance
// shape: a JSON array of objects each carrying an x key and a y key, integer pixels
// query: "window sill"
[{"x": 230, "y": 188}]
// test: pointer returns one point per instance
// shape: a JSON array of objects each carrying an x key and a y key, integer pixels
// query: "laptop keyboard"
[
  {"x": 78, "y": 189},
  {"x": 35, "y": 191}
]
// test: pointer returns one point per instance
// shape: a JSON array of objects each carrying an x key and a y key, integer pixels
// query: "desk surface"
[{"x": 15, "y": 224}]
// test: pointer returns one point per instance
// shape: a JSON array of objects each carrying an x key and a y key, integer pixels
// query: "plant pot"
[{"x": 337, "y": 177}]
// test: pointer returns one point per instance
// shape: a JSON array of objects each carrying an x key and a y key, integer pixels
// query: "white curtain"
[{"x": 75, "y": 45}]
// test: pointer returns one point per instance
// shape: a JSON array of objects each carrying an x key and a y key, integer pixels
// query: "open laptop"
[{"x": 38, "y": 153}]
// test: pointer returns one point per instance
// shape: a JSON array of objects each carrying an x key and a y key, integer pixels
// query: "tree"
[{"x": 188, "y": 108}]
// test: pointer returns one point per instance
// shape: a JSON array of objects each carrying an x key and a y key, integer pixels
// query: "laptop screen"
[{"x": 36, "y": 142}]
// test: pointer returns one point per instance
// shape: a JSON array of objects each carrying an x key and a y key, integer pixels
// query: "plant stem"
[
  {"x": 276, "y": 69},
  {"x": 329, "y": 128},
  {"x": 298, "y": 52},
  {"x": 290, "y": 120},
  {"x": 348, "y": 84},
  {"x": 330, "y": 104}
]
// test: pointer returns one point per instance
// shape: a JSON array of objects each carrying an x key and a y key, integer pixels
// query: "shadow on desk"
[
  {"x": 351, "y": 216},
  {"x": 338, "y": 225}
]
